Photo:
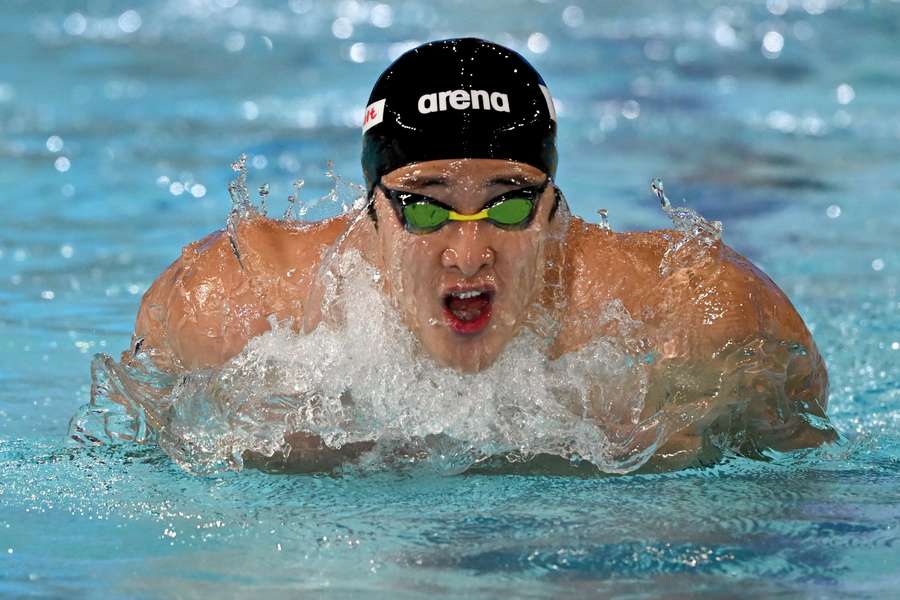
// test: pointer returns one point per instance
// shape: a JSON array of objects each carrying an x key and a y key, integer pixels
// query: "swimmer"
[{"x": 475, "y": 243}]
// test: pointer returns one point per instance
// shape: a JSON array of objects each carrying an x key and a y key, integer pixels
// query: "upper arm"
[
  {"x": 738, "y": 351},
  {"x": 174, "y": 319},
  {"x": 150, "y": 328},
  {"x": 207, "y": 305},
  {"x": 202, "y": 310}
]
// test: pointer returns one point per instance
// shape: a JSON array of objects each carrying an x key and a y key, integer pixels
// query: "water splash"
[
  {"x": 371, "y": 394},
  {"x": 263, "y": 192},
  {"x": 347, "y": 194},
  {"x": 237, "y": 189},
  {"x": 604, "y": 219},
  {"x": 241, "y": 207},
  {"x": 363, "y": 394},
  {"x": 127, "y": 402},
  {"x": 292, "y": 213},
  {"x": 350, "y": 195},
  {"x": 697, "y": 234}
]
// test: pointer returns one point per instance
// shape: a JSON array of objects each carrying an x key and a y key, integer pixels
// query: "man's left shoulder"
[
  {"x": 724, "y": 298},
  {"x": 723, "y": 295}
]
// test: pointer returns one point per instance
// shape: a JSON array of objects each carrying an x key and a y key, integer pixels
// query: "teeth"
[{"x": 464, "y": 295}]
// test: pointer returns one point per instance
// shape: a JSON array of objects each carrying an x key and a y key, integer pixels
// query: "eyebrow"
[
  {"x": 424, "y": 181},
  {"x": 510, "y": 180}
]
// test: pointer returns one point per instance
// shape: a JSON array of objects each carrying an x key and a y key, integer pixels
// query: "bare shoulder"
[
  {"x": 219, "y": 293},
  {"x": 693, "y": 307},
  {"x": 604, "y": 267},
  {"x": 728, "y": 346}
]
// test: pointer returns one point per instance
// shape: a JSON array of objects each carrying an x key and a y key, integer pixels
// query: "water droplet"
[
  {"x": 815, "y": 7},
  {"x": 293, "y": 200},
  {"x": 833, "y": 211},
  {"x": 62, "y": 164},
  {"x": 656, "y": 187},
  {"x": 845, "y": 93},
  {"x": 263, "y": 194},
  {"x": 631, "y": 109},
  {"x": 772, "y": 44},
  {"x": 289, "y": 212},
  {"x": 777, "y": 7},
  {"x": 129, "y": 21},
  {"x": 75, "y": 24},
  {"x": 250, "y": 110},
  {"x": 234, "y": 42},
  {"x": 604, "y": 219},
  {"x": 877, "y": 264},
  {"x": 538, "y": 42},
  {"x": 54, "y": 143},
  {"x": 358, "y": 52},
  {"x": 342, "y": 28},
  {"x": 573, "y": 16},
  {"x": 381, "y": 16},
  {"x": 237, "y": 188},
  {"x": 725, "y": 35}
]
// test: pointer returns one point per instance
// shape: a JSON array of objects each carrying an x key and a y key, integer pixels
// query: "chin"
[{"x": 467, "y": 354}]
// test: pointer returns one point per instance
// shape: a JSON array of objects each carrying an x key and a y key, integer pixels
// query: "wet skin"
[{"x": 699, "y": 322}]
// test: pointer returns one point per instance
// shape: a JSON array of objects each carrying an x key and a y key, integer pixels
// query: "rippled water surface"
[{"x": 117, "y": 127}]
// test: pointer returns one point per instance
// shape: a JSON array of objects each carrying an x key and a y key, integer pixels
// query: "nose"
[{"x": 468, "y": 250}]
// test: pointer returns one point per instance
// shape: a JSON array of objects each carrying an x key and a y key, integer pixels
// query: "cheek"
[
  {"x": 412, "y": 268},
  {"x": 520, "y": 261}
]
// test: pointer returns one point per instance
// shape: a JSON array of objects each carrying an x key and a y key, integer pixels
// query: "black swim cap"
[{"x": 458, "y": 98}]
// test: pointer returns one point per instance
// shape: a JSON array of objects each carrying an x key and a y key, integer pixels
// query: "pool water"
[{"x": 118, "y": 124}]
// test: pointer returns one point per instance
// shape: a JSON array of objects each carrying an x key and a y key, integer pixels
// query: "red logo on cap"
[{"x": 374, "y": 115}]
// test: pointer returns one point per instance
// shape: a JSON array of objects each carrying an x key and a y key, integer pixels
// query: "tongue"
[{"x": 468, "y": 309}]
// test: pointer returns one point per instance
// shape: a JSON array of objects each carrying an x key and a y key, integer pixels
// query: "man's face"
[{"x": 467, "y": 288}]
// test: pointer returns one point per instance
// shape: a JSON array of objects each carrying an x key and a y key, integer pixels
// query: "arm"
[
  {"x": 183, "y": 321},
  {"x": 208, "y": 304},
  {"x": 736, "y": 356},
  {"x": 731, "y": 360}
]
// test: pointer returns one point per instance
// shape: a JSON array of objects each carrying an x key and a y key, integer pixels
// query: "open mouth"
[{"x": 468, "y": 311}]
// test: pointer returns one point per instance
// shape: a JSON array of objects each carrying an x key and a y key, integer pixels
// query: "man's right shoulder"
[{"x": 219, "y": 293}]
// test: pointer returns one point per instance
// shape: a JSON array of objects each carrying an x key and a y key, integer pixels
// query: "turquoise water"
[{"x": 779, "y": 119}]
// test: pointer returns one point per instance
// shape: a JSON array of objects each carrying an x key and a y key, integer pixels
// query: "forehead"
[{"x": 479, "y": 172}]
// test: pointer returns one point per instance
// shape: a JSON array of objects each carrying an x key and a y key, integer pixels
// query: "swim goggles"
[{"x": 421, "y": 214}]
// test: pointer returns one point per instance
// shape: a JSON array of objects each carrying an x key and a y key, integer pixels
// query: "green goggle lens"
[
  {"x": 422, "y": 214},
  {"x": 425, "y": 215},
  {"x": 511, "y": 212}
]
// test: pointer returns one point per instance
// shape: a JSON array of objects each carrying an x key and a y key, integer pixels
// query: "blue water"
[{"x": 778, "y": 118}]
